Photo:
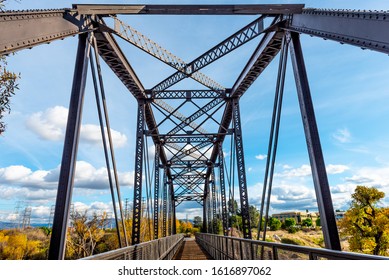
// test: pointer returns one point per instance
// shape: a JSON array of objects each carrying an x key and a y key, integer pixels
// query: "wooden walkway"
[{"x": 190, "y": 250}]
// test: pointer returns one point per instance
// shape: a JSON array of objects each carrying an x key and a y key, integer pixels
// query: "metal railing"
[
  {"x": 158, "y": 249},
  {"x": 232, "y": 248}
]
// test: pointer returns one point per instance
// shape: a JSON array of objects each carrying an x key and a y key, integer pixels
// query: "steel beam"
[
  {"x": 244, "y": 202},
  {"x": 111, "y": 53},
  {"x": 214, "y": 213},
  {"x": 253, "y": 9},
  {"x": 223, "y": 191},
  {"x": 188, "y": 140},
  {"x": 26, "y": 29},
  {"x": 319, "y": 173},
  {"x": 156, "y": 191},
  {"x": 267, "y": 49},
  {"x": 164, "y": 203},
  {"x": 137, "y": 210},
  {"x": 186, "y": 94},
  {"x": 139, "y": 40},
  {"x": 365, "y": 29},
  {"x": 239, "y": 38},
  {"x": 69, "y": 155},
  {"x": 203, "y": 110}
]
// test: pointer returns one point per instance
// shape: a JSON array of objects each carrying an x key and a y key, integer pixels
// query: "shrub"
[{"x": 292, "y": 241}]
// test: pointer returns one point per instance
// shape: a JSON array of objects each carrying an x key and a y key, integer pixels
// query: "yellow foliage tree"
[
  {"x": 84, "y": 234},
  {"x": 366, "y": 223}
]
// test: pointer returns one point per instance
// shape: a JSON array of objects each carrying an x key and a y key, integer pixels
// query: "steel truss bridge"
[{"x": 187, "y": 156}]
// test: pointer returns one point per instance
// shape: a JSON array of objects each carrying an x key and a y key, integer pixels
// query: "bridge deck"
[{"x": 190, "y": 250}]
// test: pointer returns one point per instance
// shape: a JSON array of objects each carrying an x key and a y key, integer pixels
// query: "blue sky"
[{"x": 348, "y": 86}]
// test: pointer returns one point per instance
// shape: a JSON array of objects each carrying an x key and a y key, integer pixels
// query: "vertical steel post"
[
  {"x": 205, "y": 199},
  {"x": 164, "y": 201},
  {"x": 169, "y": 229},
  {"x": 209, "y": 207},
  {"x": 69, "y": 155},
  {"x": 214, "y": 214},
  {"x": 319, "y": 173},
  {"x": 223, "y": 191},
  {"x": 156, "y": 190},
  {"x": 173, "y": 208},
  {"x": 137, "y": 211},
  {"x": 110, "y": 141},
  {"x": 244, "y": 203}
]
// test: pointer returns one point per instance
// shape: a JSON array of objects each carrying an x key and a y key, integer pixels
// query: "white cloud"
[
  {"x": 51, "y": 125},
  {"x": 20, "y": 182},
  {"x": 342, "y": 135},
  {"x": 261, "y": 157},
  {"x": 23, "y": 176},
  {"x": 304, "y": 170},
  {"x": 336, "y": 169},
  {"x": 371, "y": 176},
  {"x": 343, "y": 189}
]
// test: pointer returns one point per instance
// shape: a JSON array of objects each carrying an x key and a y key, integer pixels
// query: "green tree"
[
  {"x": 274, "y": 224},
  {"x": 318, "y": 222},
  {"x": 232, "y": 206},
  {"x": 254, "y": 216},
  {"x": 307, "y": 222},
  {"x": 366, "y": 223},
  {"x": 8, "y": 85},
  {"x": 289, "y": 222},
  {"x": 197, "y": 222}
]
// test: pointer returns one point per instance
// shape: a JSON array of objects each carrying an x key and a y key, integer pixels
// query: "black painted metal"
[
  {"x": 319, "y": 173},
  {"x": 244, "y": 35},
  {"x": 69, "y": 155},
  {"x": 365, "y": 29},
  {"x": 164, "y": 205},
  {"x": 273, "y": 140},
  {"x": 223, "y": 191},
  {"x": 137, "y": 210},
  {"x": 244, "y": 201},
  {"x": 105, "y": 148},
  {"x": 189, "y": 172},
  {"x": 214, "y": 205},
  {"x": 156, "y": 191},
  {"x": 252, "y": 9}
]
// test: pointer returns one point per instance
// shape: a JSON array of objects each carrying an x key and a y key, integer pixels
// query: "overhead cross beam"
[
  {"x": 239, "y": 38},
  {"x": 255, "y": 9},
  {"x": 139, "y": 40}
]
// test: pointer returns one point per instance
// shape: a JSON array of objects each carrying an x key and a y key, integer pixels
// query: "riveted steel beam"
[
  {"x": 223, "y": 191},
  {"x": 365, "y": 29},
  {"x": 240, "y": 162},
  {"x": 253, "y": 9},
  {"x": 137, "y": 205},
  {"x": 186, "y": 94},
  {"x": 26, "y": 29}
]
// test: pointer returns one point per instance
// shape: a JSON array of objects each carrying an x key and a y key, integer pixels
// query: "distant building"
[
  {"x": 297, "y": 216},
  {"x": 339, "y": 214}
]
